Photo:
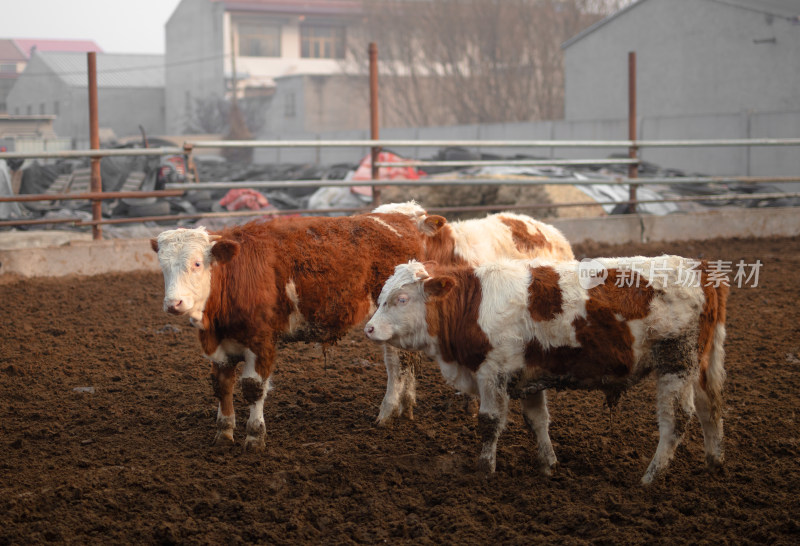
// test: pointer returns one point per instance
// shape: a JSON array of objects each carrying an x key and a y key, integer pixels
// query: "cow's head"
[
  {"x": 186, "y": 257},
  {"x": 400, "y": 319},
  {"x": 428, "y": 224}
]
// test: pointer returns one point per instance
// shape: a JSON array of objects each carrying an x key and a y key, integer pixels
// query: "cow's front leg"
[
  {"x": 255, "y": 382},
  {"x": 492, "y": 418},
  {"x": 223, "y": 379},
  {"x": 401, "y": 385}
]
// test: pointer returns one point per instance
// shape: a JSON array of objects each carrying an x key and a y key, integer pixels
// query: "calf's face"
[
  {"x": 400, "y": 319},
  {"x": 186, "y": 257}
]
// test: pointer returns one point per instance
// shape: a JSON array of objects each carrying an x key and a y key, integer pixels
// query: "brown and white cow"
[
  {"x": 516, "y": 328},
  {"x": 465, "y": 242},
  {"x": 294, "y": 279}
]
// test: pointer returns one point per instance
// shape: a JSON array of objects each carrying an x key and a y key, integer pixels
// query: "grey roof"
[
  {"x": 787, "y": 9},
  {"x": 113, "y": 70}
]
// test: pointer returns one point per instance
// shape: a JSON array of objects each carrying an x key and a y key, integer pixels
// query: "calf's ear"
[
  {"x": 224, "y": 250},
  {"x": 154, "y": 244},
  {"x": 436, "y": 287},
  {"x": 432, "y": 224}
]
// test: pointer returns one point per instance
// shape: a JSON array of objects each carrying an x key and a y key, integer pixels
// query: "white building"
[{"x": 264, "y": 39}]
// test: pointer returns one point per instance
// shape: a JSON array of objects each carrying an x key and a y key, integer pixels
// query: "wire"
[
  {"x": 124, "y": 70},
  {"x": 794, "y": 19}
]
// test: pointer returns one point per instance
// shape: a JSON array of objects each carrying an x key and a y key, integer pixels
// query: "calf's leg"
[
  {"x": 492, "y": 418},
  {"x": 401, "y": 385},
  {"x": 255, "y": 383},
  {"x": 675, "y": 406},
  {"x": 534, "y": 411},
  {"x": 223, "y": 379},
  {"x": 712, "y": 427}
]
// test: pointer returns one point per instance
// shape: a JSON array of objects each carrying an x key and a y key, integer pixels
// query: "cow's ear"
[
  {"x": 154, "y": 244},
  {"x": 436, "y": 287},
  {"x": 432, "y": 224},
  {"x": 224, "y": 250}
]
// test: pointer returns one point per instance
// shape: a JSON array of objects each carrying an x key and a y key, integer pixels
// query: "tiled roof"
[
  {"x": 113, "y": 70},
  {"x": 26, "y": 44}
]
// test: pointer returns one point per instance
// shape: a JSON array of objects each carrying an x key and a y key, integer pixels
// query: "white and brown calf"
[
  {"x": 465, "y": 242},
  {"x": 515, "y": 328}
]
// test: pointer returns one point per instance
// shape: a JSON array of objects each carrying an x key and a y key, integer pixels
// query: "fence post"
[
  {"x": 373, "y": 117},
  {"x": 633, "y": 152},
  {"x": 94, "y": 136}
]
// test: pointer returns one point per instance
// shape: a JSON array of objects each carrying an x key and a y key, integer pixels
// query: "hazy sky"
[{"x": 117, "y": 26}]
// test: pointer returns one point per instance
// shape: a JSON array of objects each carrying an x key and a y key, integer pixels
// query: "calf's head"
[
  {"x": 186, "y": 257},
  {"x": 400, "y": 319}
]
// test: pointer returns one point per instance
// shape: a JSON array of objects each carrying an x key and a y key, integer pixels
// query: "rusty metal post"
[
  {"x": 373, "y": 117},
  {"x": 94, "y": 135},
  {"x": 633, "y": 151}
]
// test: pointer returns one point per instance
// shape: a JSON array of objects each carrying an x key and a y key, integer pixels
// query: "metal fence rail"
[{"x": 174, "y": 190}]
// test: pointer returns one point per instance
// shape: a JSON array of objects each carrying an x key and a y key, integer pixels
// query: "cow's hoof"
[
  {"x": 548, "y": 469},
  {"x": 223, "y": 439},
  {"x": 384, "y": 422},
  {"x": 485, "y": 466},
  {"x": 386, "y": 416},
  {"x": 714, "y": 463},
  {"x": 254, "y": 444}
]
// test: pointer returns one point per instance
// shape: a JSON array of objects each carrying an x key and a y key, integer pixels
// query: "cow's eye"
[
  {"x": 402, "y": 300},
  {"x": 197, "y": 265}
]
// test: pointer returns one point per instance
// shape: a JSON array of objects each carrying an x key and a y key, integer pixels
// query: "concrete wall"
[
  {"x": 81, "y": 257},
  {"x": 693, "y": 57},
  {"x": 194, "y": 59},
  {"x": 719, "y": 161},
  {"x": 120, "y": 109}
]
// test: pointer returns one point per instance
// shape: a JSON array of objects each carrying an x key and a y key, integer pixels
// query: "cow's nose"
[
  {"x": 369, "y": 329},
  {"x": 172, "y": 307}
]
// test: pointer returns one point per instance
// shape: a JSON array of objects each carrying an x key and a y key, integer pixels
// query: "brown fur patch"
[
  {"x": 526, "y": 242},
  {"x": 606, "y": 343},
  {"x": 544, "y": 294},
  {"x": 338, "y": 266},
  {"x": 453, "y": 321},
  {"x": 440, "y": 248},
  {"x": 714, "y": 311}
]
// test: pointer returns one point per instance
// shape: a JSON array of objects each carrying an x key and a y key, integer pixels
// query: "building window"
[
  {"x": 259, "y": 39},
  {"x": 321, "y": 42},
  {"x": 289, "y": 106}
]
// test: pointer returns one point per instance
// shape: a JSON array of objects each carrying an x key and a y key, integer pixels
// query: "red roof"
[
  {"x": 75, "y": 46},
  {"x": 9, "y": 52},
  {"x": 310, "y": 7}
]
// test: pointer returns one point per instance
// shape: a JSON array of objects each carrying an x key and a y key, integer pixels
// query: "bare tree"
[
  {"x": 213, "y": 115},
  {"x": 473, "y": 61}
]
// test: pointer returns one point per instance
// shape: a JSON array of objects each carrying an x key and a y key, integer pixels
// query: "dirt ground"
[{"x": 131, "y": 461}]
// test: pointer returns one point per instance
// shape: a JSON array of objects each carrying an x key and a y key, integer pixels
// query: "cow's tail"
[{"x": 712, "y": 366}]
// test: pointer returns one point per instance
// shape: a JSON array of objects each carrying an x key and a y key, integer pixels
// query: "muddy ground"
[{"x": 131, "y": 461}]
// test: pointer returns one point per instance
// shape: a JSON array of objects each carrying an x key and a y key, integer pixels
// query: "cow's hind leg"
[
  {"x": 255, "y": 383},
  {"x": 401, "y": 385},
  {"x": 675, "y": 406},
  {"x": 492, "y": 418},
  {"x": 711, "y": 421},
  {"x": 223, "y": 379},
  {"x": 534, "y": 411}
]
